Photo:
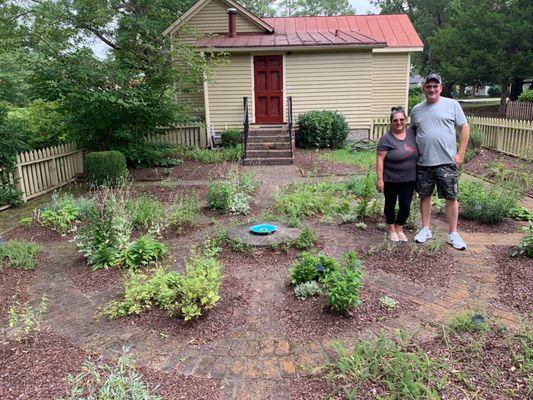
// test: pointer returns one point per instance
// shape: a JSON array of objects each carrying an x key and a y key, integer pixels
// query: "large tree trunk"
[
  {"x": 447, "y": 89},
  {"x": 503, "y": 98},
  {"x": 516, "y": 88},
  {"x": 462, "y": 90}
]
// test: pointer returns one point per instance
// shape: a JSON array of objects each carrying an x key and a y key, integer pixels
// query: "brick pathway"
[{"x": 259, "y": 362}]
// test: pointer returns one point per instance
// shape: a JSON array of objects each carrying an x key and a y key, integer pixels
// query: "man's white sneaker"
[
  {"x": 456, "y": 241},
  {"x": 423, "y": 235}
]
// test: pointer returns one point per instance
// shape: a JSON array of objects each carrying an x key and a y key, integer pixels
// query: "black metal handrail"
[
  {"x": 289, "y": 121},
  {"x": 246, "y": 124}
]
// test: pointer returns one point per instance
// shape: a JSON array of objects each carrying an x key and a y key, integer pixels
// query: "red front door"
[{"x": 268, "y": 77}]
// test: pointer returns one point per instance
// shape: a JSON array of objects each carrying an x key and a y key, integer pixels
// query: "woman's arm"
[{"x": 380, "y": 158}]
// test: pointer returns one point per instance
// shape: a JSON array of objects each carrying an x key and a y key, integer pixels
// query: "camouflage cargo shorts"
[{"x": 444, "y": 176}]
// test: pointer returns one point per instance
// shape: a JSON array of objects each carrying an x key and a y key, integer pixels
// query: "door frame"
[{"x": 283, "y": 88}]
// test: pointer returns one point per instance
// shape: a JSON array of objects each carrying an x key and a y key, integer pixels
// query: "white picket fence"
[
  {"x": 40, "y": 171},
  {"x": 188, "y": 136},
  {"x": 506, "y": 136}
]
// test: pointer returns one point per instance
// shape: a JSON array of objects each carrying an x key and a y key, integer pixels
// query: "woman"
[{"x": 396, "y": 172}]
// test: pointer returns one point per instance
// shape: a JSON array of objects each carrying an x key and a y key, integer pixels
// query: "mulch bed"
[
  {"x": 36, "y": 369},
  {"x": 310, "y": 165},
  {"x": 87, "y": 280},
  {"x": 506, "y": 226},
  {"x": 515, "y": 275},
  {"x": 311, "y": 318},
  {"x": 13, "y": 282},
  {"x": 222, "y": 321},
  {"x": 188, "y": 171},
  {"x": 166, "y": 194},
  {"x": 34, "y": 233}
]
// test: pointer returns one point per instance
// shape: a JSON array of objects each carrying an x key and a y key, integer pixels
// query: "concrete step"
[
  {"x": 268, "y": 132},
  {"x": 268, "y": 153},
  {"x": 269, "y": 139},
  {"x": 268, "y": 161},
  {"x": 269, "y": 146}
]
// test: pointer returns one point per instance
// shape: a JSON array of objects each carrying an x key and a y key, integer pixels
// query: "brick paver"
[{"x": 258, "y": 363}]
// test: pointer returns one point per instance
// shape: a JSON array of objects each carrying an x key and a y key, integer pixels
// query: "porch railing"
[
  {"x": 246, "y": 124},
  {"x": 289, "y": 121}
]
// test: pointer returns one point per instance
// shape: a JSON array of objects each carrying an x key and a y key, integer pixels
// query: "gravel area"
[{"x": 515, "y": 275}]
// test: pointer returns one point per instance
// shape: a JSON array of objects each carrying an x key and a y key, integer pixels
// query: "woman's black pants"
[{"x": 401, "y": 192}]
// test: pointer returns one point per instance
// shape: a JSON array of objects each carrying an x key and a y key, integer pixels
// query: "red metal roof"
[{"x": 394, "y": 30}]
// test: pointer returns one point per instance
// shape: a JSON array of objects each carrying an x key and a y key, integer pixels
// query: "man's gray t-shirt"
[
  {"x": 435, "y": 130},
  {"x": 400, "y": 162}
]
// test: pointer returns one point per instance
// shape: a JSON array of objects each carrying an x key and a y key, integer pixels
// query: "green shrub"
[
  {"x": 105, "y": 167},
  {"x": 321, "y": 129},
  {"x": 365, "y": 189},
  {"x": 142, "y": 252},
  {"x": 19, "y": 254},
  {"x": 105, "y": 229},
  {"x": 343, "y": 284},
  {"x": 305, "y": 240},
  {"x": 520, "y": 213},
  {"x": 526, "y": 96},
  {"x": 230, "y": 137},
  {"x": 307, "y": 289},
  {"x": 465, "y": 322},
  {"x": 63, "y": 211},
  {"x": 526, "y": 243},
  {"x": 183, "y": 210},
  {"x": 402, "y": 370},
  {"x": 302, "y": 200},
  {"x": 142, "y": 155},
  {"x": 310, "y": 267},
  {"x": 206, "y": 156},
  {"x": 488, "y": 205},
  {"x": 98, "y": 380},
  {"x": 188, "y": 295},
  {"x": 413, "y": 100},
  {"x": 145, "y": 212},
  {"x": 476, "y": 138},
  {"x": 495, "y": 91},
  {"x": 231, "y": 196}
]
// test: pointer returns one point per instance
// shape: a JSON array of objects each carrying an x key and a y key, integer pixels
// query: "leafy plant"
[
  {"x": 520, "y": 213},
  {"x": 24, "y": 319},
  {"x": 305, "y": 240},
  {"x": 322, "y": 129},
  {"x": 145, "y": 212},
  {"x": 206, "y": 156},
  {"x": 19, "y": 254},
  {"x": 307, "y": 289},
  {"x": 399, "y": 366},
  {"x": 98, "y": 380},
  {"x": 231, "y": 196},
  {"x": 365, "y": 189},
  {"x": 62, "y": 212},
  {"x": 143, "y": 154},
  {"x": 526, "y": 96},
  {"x": 310, "y": 267},
  {"x": 388, "y": 302},
  {"x": 361, "y": 225},
  {"x": 105, "y": 230},
  {"x": 187, "y": 295},
  {"x": 184, "y": 209},
  {"x": 469, "y": 322},
  {"x": 526, "y": 243},
  {"x": 142, "y": 252},
  {"x": 343, "y": 284},
  {"x": 488, "y": 205},
  {"x": 230, "y": 137}
]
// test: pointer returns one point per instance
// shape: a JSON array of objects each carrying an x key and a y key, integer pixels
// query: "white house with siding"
[{"x": 357, "y": 65}]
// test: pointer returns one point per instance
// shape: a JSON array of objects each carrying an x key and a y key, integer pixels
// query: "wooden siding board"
[
  {"x": 389, "y": 82},
  {"x": 213, "y": 18}
]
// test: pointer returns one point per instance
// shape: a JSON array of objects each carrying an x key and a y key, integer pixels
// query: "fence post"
[
  {"x": 17, "y": 175},
  {"x": 203, "y": 136}
]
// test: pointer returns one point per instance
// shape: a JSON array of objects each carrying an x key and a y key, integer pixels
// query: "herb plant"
[{"x": 19, "y": 254}]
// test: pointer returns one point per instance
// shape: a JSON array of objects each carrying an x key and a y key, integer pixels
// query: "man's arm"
[{"x": 464, "y": 135}]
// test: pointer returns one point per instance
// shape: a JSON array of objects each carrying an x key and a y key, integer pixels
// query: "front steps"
[{"x": 269, "y": 146}]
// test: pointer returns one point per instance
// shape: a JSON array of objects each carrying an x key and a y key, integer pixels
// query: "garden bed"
[
  {"x": 489, "y": 163},
  {"x": 310, "y": 164},
  {"x": 190, "y": 170},
  {"x": 37, "y": 368},
  {"x": 506, "y": 226},
  {"x": 88, "y": 281},
  {"x": 515, "y": 276}
]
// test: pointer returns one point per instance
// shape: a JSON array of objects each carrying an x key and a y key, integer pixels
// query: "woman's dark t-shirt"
[{"x": 400, "y": 162}]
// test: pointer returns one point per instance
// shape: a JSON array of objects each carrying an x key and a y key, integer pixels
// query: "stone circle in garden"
[{"x": 283, "y": 234}]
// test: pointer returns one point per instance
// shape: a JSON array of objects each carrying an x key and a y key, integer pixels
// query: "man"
[{"x": 436, "y": 120}]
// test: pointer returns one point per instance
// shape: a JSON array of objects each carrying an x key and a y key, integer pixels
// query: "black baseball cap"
[{"x": 433, "y": 77}]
